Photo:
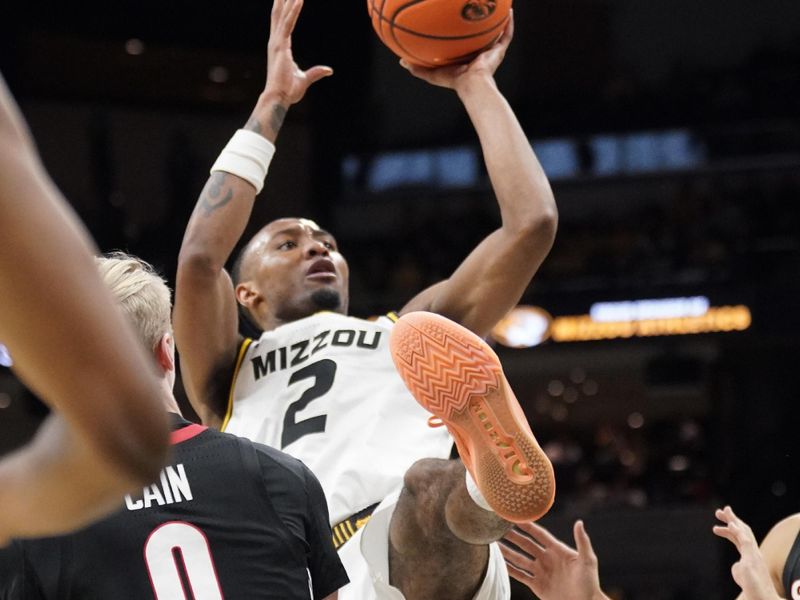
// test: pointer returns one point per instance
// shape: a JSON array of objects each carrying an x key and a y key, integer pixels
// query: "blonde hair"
[{"x": 141, "y": 292}]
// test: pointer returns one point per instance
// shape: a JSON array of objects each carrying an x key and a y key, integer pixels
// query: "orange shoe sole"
[{"x": 457, "y": 377}]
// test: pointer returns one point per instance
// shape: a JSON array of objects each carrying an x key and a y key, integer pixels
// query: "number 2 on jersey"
[{"x": 323, "y": 371}]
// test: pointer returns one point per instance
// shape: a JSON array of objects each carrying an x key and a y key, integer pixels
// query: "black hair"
[
  {"x": 236, "y": 266},
  {"x": 247, "y": 325}
]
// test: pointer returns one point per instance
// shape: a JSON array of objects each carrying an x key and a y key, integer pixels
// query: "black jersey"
[
  {"x": 791, "y": 571},
  {"x": 226, "y": 519}
]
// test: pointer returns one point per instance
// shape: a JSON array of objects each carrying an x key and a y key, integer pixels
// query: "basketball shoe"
[{"x": 457, "y": 377}]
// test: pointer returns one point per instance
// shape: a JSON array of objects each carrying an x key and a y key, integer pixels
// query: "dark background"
[{"x": 130, "y": 103}]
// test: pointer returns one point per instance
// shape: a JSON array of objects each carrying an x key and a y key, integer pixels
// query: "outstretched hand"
[
  {"x": 285, "y": 80},
  {"x": 457, "y": 76},
  {"x": 551, "y": 569},
  {"x": 750, "y": 572}
]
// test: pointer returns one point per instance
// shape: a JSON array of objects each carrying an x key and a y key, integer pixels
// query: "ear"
[
  {"x": 165, "y": 353},
  {"x": 246, "y": 295}
]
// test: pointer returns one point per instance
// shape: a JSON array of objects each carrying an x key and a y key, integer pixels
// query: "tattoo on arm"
[
  {"x": 253, "y": 125},
  {"x": 212, "y": 198},
  {"x": 277, "y": 117}
]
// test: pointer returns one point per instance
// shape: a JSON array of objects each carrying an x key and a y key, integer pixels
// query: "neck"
[
  {"x": 168, "y": 397},
  {"x": 273, "y": 321}
]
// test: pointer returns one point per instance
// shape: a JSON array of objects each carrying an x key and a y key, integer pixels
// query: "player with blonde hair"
[
  {"x": 227, "y": 517},
  {"x": 141, "y": 293},
  {"x": 71, "y": 346}
]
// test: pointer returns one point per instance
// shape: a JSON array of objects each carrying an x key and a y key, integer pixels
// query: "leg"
[{"x": 438, "y": 536}]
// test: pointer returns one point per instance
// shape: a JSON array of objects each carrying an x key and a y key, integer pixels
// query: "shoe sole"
[{"x": 457, "y": 377}]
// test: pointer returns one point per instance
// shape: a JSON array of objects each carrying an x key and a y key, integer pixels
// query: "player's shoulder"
[
  {"x": 273, "y": 458},
  {"x": 778, "y": 543},
  {"x": 268, "y": 459},
  {"x": 784, "y": 531}
]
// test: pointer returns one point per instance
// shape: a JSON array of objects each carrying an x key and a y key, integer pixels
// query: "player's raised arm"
[
  {"x": 73, "y": 348},
  {"x": 492, "y": 279},
  {"x": 205, "y": 316}
]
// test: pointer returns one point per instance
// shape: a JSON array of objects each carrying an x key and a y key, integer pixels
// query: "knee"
[
  {"x": 420, "y": 512},
  {"x": 432, "y": 477}
]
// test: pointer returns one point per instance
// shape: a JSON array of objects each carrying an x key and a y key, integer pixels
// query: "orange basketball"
[{"x": 432, "y": 33}]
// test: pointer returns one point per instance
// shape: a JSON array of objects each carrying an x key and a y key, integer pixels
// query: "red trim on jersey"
[{"x": 186, "y": 433}]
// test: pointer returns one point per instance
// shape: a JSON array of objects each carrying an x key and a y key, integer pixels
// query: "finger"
[
  {"x": 524, "y": 578},
  {"x": 442, "y": 76},
  {"x": 524, "y": 543},
  {"x": 275, "y": 17},
  {"x": 726, "y": 515},
  {"x": 523, "y": 561},
  {"x": 508, "y": 32},
  {"x": 291, "y": 15},
  {"x": 739, "y": 527},
  {"x": 736, "y": 517},
  {"x": 582, "y": 541},
  {"x": 314, "y": 74},
  {"x": 415, "y": 70},
  {"x": 725, "y": 532},
  {"x": 539, "y": 533}
]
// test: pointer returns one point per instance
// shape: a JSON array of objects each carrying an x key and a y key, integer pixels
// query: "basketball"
[{"x": 433, "y": 33}]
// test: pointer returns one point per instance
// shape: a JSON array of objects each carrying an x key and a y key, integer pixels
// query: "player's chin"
[{"x": 327, "y": 297}]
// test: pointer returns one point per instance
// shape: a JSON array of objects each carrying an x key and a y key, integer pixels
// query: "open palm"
[
  {"x": 284, "y": 78},
  {"x": 548, "y": 567}
]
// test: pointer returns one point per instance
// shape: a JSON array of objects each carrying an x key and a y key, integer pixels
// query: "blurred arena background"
[{"x": 671, "y": 133}]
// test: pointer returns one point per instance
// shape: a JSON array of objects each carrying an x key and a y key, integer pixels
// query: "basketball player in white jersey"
[
  {"x": 68, "y": 342},
  {"x": 321, "y": 385}
]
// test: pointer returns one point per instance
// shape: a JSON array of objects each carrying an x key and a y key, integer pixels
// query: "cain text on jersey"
[{"x": 172, "y": 487}]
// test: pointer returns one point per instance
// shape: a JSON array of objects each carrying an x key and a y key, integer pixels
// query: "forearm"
[
  {"x": 56, "y": 484},
  {"x": 520, "y": 184},
  {"x": 108, "y": 390},
  {"x": 13, "y": 129},
  {"x": 226, "y": 202}
]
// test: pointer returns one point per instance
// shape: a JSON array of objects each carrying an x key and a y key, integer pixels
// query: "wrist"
[
  {"x": 268, "y": 115},
  {"x": 470, "y": 86},
  {"x": 247, "y": 155}
]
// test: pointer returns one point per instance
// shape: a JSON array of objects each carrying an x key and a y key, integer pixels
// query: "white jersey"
[{"x": 325, "y": 390}]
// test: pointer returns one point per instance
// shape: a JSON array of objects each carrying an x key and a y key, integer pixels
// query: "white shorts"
[{"x": 366, "y": 558}]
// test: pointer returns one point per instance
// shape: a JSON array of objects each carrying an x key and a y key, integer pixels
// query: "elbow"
[
  {"x": 139, "y": 456},
  {"x": 132, "y": 442},
  {"x": 153, "y": 452},
  {"x": 540, "y": 227},
  {"x": 197, "y": 263}
]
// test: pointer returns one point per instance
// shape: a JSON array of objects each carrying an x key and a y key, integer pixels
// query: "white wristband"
[{"x": 247, "y": 155}]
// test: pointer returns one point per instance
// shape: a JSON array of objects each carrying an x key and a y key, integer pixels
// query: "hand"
[
  {"x": 457, "y": 77},
  {"x": 285, "y": 80},
  {"x": 750, "y": 572},
  {"x": 550, "y": 568}
]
